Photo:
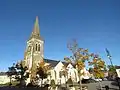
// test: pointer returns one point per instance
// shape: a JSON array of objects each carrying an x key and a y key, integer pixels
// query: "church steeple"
[
  {"x": 36, "y": 30},
  {"x": 34, "y": 52}
]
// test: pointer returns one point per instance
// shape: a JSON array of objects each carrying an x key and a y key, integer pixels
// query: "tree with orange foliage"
[
  {"x": 78, "y": 58},
  {"x": 42, "y": 70},
  {"x": 98, "y": 66}
]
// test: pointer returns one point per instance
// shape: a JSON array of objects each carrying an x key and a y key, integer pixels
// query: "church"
[{"x": 34, "y": 55}]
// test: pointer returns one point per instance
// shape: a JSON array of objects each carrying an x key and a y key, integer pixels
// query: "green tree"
[
  {"x": 52, "y": 83},
  {"x": 111, "y": 70},
  {"x": 18, "y": 70},
  {"x": 91, "y": 70},
  {"x": 20, "y": 73},
  {"x": 69, "y": 81},
  {"x": 11, "y": 71}
]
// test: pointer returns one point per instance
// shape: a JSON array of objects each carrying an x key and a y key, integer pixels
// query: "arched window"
[
  {"x": 39, "y": 47},
  {"x": 55, "y": 74},
  {"x": 36, "y": 47},
  {"x": 29, "y": 48}
]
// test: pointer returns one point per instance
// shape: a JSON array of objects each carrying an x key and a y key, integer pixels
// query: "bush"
[
  {"x": 53, "y": 84},
  {"x": 30, "y": 85},
  {"x": 69, "y": 81}
]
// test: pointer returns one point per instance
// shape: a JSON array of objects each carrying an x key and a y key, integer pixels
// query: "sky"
[{"x": 95, "y": 24}]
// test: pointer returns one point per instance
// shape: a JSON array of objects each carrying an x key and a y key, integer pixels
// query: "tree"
[
  {"x": 111, "y": 71},
  {"x": 53, "y": 86},
  {"x": 64, "y": 73},
  {"x": 69, "y": 81},
  {"x": 18, "y": 70},
  {"x": 91, "y": 70},
  {"x": 78, "y": 58},
  {"x": 98, "y": 67},
  {"x": 20, "y": 73},
  {"x": 42, "y": 70},
  {"x": 12, "y": 71}
]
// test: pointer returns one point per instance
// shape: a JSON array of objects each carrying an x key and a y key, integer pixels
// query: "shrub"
[
  {"x": 53, "y": 84},
  {"x": 69, "y": 81}
]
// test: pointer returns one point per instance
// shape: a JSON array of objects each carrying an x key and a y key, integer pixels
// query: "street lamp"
[{"x": 109, "y": 56}]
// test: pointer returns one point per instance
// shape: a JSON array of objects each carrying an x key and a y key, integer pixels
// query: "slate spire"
[{"x": 36, "y": 30}]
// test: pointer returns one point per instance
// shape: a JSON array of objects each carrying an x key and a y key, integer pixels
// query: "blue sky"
[{"x": 95, "y": 24}]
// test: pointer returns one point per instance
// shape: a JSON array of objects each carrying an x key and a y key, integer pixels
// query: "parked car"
[
  {"x": 97, "y": 80},
  {"x": 105, "y": 79},
  {"x": 85, "y": 81}
]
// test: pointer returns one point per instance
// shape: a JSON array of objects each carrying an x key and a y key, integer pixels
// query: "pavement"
[
  {"x": 95, "y": 86},
  {"x": 91, "y": 86}
]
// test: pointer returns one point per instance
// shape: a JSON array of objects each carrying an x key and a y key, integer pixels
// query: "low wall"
[{"x": 4, "y": 79}]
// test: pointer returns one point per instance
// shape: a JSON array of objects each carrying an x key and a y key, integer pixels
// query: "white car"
[{"x": 98, "y": 80}]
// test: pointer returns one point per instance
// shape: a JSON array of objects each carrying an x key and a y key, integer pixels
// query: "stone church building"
[{"x": 34, "y": 54}]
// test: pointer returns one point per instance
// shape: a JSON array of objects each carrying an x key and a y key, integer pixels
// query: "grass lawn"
[{"x": 14, "y": 83}]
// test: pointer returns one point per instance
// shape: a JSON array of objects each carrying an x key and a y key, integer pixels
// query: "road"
[
  {"x": 94, "y": 86},
  {"x": 91, "y": 86}
]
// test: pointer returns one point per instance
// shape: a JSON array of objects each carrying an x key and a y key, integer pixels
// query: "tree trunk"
[
  {"x": 50, "y": 79},
  {"x": 60, "y": 80},
  {"x": 10, "y": 81},
  {"x": 41, "y": 82},
  {"x": 65, "y": 82},
  {"x": 80, "y": 83},
  {"x": 100, "y": 86}
]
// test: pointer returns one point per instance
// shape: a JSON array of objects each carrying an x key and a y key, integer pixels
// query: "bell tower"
[{"x": 34, "y": 49}]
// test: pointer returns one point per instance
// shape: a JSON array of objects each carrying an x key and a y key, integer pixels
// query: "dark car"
[{"x": 85, "y": 81}]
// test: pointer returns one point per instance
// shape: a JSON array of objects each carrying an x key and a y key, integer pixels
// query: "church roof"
[
  {"x": 36, "y": 30},
  {"x": 52, "y": 62}
]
